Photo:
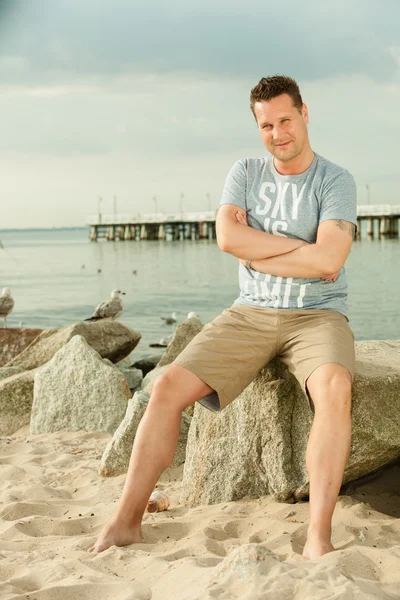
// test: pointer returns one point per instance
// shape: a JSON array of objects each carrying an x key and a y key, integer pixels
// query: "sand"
[{"x": 53, "y": 505}]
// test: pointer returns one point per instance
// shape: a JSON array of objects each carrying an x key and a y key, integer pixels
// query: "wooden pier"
[
  {"x": 156, "y": 226},
  {"x": 382, "y": 221}
]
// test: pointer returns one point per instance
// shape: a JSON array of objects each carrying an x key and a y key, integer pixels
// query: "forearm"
[
  {"x": 310, "y": 261},
  {"x": 248, "y": 243}
]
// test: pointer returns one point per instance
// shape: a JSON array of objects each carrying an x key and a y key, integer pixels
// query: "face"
[{"x": 282, "y": 127}]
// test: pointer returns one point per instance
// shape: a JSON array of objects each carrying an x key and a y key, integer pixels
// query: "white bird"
[
  {"x": 192, "y": 314},
  {"x": 109, "y": 310},
  {"x": 170, "y": 320},
  {"x": 6, "y": 304}
]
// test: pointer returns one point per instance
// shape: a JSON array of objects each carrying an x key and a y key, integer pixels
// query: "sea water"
[{"x": 58, "y": 277}]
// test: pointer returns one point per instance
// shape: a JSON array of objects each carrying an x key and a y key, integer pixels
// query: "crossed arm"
[{"x": 281, "y": 256}]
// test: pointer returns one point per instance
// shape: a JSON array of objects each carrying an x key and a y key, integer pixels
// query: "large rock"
[
  {"x": 14, "y": 341},
  {"x": 16, "y": 397},
  {"x": 116, "y": 456},
  {"x": 134, "y": 377},
  {"x": 109, "y": 338},
  {"x": 6, "y": 372},
  {"x": 184, "y": 334},
  {"x": 257, "y": 445},
  {"x": 147, "y": 363},
  {"x": 76, "y": 390}
]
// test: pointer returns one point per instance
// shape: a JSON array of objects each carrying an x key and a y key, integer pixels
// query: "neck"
[{"x": 297, "y": 165}]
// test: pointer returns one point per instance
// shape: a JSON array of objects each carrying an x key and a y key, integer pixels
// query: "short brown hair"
[{"x": 271, "y": 87}]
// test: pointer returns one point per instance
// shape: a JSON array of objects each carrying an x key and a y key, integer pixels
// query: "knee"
[
  {"x": 332, "y": 389},
  {"x": 165, "y": 385}
]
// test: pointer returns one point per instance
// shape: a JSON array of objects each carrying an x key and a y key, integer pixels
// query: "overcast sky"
[{"x": 151, "y": 99}]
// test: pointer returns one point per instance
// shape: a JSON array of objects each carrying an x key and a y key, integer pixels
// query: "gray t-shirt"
[{"x": 291, "y": 206}]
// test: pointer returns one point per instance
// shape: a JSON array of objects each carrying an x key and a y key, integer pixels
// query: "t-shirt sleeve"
[
  {"x": 234, "y": 191},
  {"x": 339, "y": 199}
]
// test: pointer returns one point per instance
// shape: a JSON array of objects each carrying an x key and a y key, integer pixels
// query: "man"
[{"x": 290, "y": 219}]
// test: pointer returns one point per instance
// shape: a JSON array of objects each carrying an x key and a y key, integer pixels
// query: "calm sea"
[{"x": 54, "y": 278}]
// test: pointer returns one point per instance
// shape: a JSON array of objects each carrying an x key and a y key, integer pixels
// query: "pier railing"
[
  {"x": 127, "y": 219},
  {"x": 378, "y": 210},
  {"x": 199, "y": 225}
]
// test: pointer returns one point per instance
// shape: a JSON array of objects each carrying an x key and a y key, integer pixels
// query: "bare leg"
[
  {"x": 153, "y": 451},
  {"x": 328, "y": 451}
]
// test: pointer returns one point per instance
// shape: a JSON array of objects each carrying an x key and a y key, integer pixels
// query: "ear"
[{"x": 304, "y": 112}]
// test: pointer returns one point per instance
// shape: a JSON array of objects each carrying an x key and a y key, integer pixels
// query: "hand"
[
  {"x": 330, "y": 277},
  {"x": 241, "y": 217}
]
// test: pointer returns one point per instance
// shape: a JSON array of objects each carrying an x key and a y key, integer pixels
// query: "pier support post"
[
  {"x": 384, "y": 226},
  {"x": 161, "y": 232},
  {"x": 110, "y": 236},
  {"x": 358, "y": 234},
  {"x": 395, "y": 227},
  {"x": 93, "y": 233},
  {"x": 193, "y": 232},
  {"x": 370, "y": 227},
  {"x": 143, "y": 232}
]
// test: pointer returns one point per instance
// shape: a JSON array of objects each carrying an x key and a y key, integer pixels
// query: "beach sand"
[{"x": 53, "y": 505}]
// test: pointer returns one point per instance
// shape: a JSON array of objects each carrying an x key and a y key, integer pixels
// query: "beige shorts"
[{"x": 230, "y": 351}]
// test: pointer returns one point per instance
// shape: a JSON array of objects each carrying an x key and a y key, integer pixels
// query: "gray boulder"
[
  {"x": 16, "y": 397},
  {"x": 116, "y": 456},
  {"x": 76, "y": 390},
  {"x": 184, "y": 334},
  {"x": 257, "y": 445},
  {"x": 6, "y": 372},
  {"x": 125, "y": 363},
  {"x": 109, "y": 338},
  {"x": 13, "y": 341},
  {"x": 147, "y": 363},
  {"x": 134, "y": 377}
]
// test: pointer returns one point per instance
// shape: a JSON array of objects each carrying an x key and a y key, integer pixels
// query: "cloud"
[{"x": 70, "y": 40}]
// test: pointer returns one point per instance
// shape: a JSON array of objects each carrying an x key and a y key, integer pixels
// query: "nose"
[{"x": 277, "y": 133}]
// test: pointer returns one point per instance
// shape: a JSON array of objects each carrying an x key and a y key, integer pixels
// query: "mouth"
[{"x": 283, "y": 145}]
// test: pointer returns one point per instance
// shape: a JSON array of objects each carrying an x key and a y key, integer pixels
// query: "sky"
[{"x": 139, "y": 106}]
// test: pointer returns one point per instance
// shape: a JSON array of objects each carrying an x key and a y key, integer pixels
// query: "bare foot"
[
  {"x": 316, "y": 546},
  {"x": 116, "y": 534}
]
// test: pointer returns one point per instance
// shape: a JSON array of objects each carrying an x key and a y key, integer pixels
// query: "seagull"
[
  {"x": 111, "y": 309},
  {"x": 170, "y": 320},
  {"x": 6, "y": 304},
  {"x": 192, "y": 314}
]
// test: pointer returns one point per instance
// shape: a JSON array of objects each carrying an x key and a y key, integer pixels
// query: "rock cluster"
[
  {"x": 74, "y": 388},
  {"x": 110, "y": 338},
  {"x": 66, "y": 379}
]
